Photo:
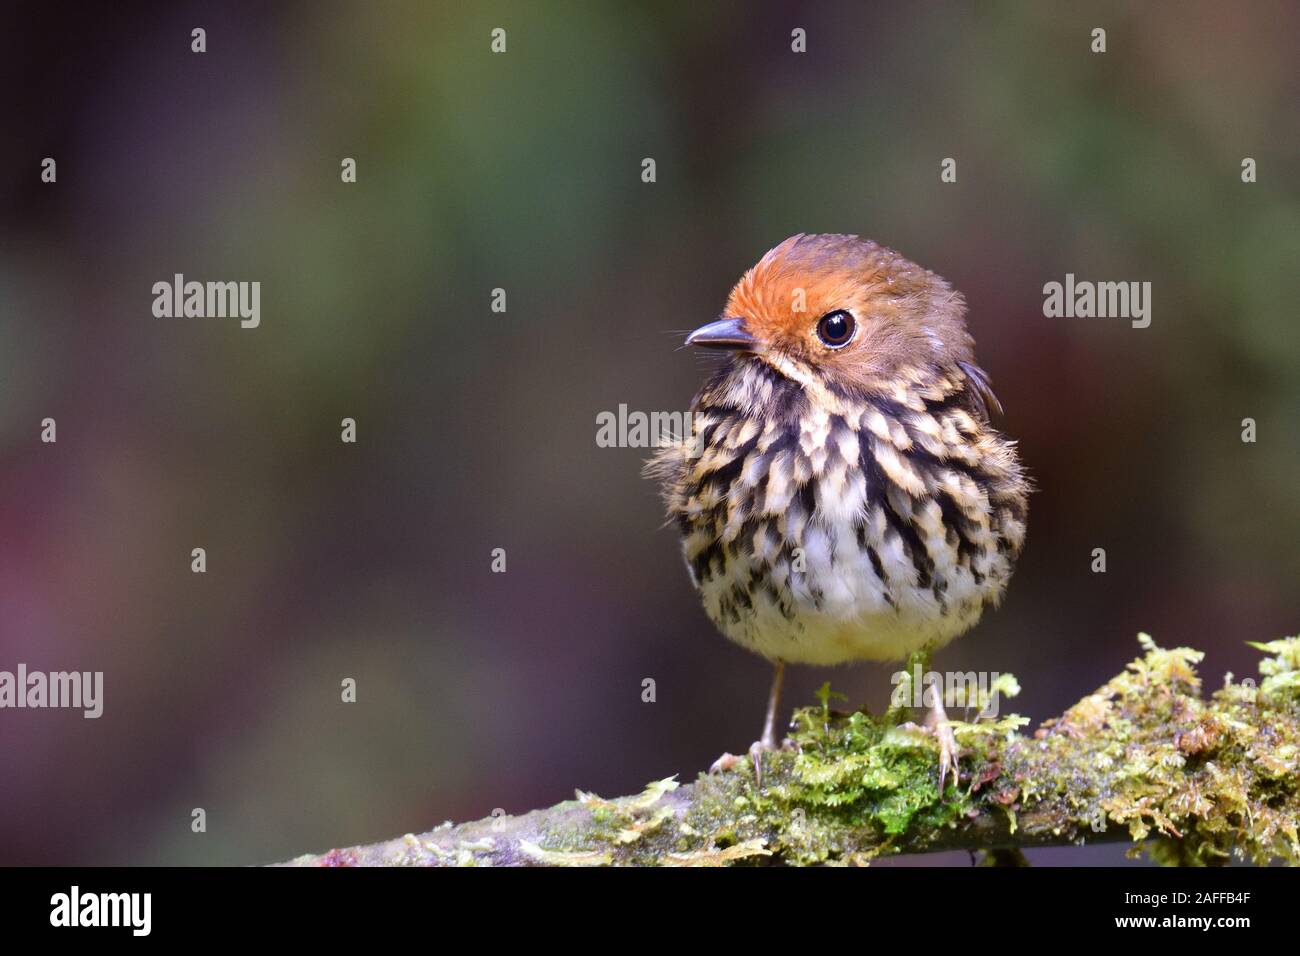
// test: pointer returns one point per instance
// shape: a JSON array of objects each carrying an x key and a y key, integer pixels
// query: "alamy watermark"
[
  {"x": 1083, "y": 299},
  {"x": 956, "y": 689},
  {"x": 77, "y": 690},
  {"x": 636, "y": 429},
  {"x": 131, "y": 911},
  {"x": 209, "y": 300}
]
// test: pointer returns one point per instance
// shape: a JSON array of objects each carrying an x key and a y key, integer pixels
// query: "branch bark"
[
  {"x": 1145, "y": 759},
  {"x": 520, "y": 841}
]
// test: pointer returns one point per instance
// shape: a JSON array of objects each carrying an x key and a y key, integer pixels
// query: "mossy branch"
[{"x": 1145, "y": 759}]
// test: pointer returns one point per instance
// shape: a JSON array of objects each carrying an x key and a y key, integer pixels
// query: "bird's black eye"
[{"x": 835, "y": 328}]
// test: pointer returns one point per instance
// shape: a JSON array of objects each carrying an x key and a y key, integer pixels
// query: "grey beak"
[{"x": 722, "y": 334}]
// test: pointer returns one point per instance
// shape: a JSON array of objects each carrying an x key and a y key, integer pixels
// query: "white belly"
[{"x": 838, "y": 609}]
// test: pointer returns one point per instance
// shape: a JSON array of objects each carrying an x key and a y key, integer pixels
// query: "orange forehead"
[
  {"x": 903, "y": 316},
  {"x": 788, "y": 302},
  {"x": 806, "y": 277}
]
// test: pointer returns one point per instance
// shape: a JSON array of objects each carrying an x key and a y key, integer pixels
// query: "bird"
[{"x": 845, "y": 495}]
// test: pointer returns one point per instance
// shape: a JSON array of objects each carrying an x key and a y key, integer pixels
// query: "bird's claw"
[
  {"x": 947, "y": 753},
  {"x": 724, "y": 763},
  {"x": 941, "y": 730},
  {"x": 755, "y": 754}
]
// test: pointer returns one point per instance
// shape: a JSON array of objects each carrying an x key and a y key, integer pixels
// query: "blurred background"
[{"x": 476, "y": 430}]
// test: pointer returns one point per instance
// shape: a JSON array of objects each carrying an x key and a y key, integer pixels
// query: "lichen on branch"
[{"x": 1145, "y": 759}]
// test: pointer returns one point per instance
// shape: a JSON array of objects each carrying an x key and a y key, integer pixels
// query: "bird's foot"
[
  {"x": 937, "y": 725},
  {"x": 765, "y": 744},
  {"x": 755, "y": 754},
  {"x": 724, "y": 763},
  {"x": 947, "y": 754},
  {"x": 936, "y": 720}
]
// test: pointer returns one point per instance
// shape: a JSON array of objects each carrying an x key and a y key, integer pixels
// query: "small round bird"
[{"x": 845, "y": 496}]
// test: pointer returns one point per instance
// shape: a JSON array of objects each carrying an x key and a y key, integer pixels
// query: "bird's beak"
[{"x": 722, "y": 334}]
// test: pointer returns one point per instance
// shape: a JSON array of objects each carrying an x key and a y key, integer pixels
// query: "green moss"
[{"x": 1193, "y": 781}]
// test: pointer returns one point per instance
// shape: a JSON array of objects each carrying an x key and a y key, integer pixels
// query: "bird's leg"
[
  {"x": 936, "y": 719},
  {"x": 768, "y": 741}
]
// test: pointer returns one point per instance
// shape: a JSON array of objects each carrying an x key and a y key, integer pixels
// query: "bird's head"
[{"x": 843, "y": 311}]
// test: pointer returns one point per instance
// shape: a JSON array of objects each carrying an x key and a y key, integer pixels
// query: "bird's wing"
[{"x": 980, "y": 389}]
